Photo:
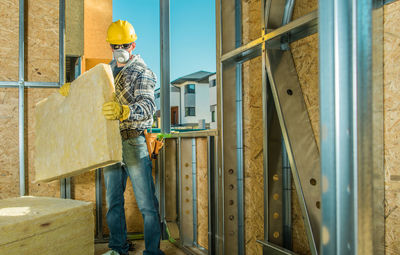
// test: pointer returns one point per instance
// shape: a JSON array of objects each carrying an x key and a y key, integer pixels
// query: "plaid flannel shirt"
[{"x": 135, "y": 88}]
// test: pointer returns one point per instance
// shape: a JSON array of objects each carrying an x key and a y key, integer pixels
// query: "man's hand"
[
  {"x": 64, "y": 90},
  {"x": 113, "y": 110}
]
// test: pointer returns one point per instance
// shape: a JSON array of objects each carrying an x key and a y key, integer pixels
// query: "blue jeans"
[{"x": 137, "y": 165}]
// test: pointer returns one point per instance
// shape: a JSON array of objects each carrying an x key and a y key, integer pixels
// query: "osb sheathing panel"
[
  {"x": 202, "y": 192},
  {"x": 9, "y": 18},
  {"x": 32, "y": 97},
  {"x": 305, "y": 56},
  {"x": 251, "y": 20},
  {"x": 252, "y": 133},
  {"x": 9, "y": 151},
  {"x": 42, "y": 40},
  {"x": 74, "y": 27},
  {"x": 98, "y": 16},
  {"x": 303, "y": 7},
  {"x": 9, "y": 160},
  {"x": 84, "y": 189},
  {"x": 41, "y": 64},
  {"x": 392, "y": 127}
]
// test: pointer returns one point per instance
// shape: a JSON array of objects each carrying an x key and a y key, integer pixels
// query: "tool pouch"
[{"x": 153, "y": 144}]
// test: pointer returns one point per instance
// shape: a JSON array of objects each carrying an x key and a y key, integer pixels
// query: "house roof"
[
  {"x": 197, "y": 76},
  {"x": 205, "y": 78}
]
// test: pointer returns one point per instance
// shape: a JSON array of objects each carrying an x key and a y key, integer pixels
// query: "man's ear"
[{"x": 133, "y": 45}]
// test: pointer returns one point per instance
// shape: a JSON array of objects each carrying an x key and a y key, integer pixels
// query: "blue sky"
[{"x": 192, "y": 33}]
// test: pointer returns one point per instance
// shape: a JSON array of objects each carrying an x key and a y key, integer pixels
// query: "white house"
[
  {"x": 194, "y": 98},
  {"x": 174, "y": 103},
  {"x": 212, "y": 79}
]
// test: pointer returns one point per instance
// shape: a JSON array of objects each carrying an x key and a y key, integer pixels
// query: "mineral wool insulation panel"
[
  {"x": 46, "y": 226},
  {"x": 72, "y": 135}
]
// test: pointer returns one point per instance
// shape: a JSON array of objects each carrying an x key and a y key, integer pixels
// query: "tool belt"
[{"x": 130, "y": 133}]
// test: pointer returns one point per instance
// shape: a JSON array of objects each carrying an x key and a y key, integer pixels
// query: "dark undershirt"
[{"x": 116, "y": 70}]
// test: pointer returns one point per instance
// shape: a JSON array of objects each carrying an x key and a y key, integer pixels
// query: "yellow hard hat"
[{"x": 121, "y": 32}]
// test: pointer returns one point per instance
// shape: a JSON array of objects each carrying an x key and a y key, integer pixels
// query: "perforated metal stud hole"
[{"x": 313, "y": 181}]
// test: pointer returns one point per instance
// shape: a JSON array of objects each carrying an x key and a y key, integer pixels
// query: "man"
[{"x": 134, "y": 107}]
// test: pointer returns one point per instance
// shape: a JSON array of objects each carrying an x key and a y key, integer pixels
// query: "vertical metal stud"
[
  {"x": 264, "y": 14},
  {"x": 65, "y": 183},
  {"x": 165, "y": 67},
  {"x": 21, "y": 99},
  {"x": 338, "y": 125},
  {"x": 165, "y": 97},
  {"x": 239, "y": 130},
  {"x": 194, "y": 189},
  {"x": 287, "y": 199},
  {"x": 186, "y": 213},
  {"x": 212, "y": 196},
  {"x": 351, "y": 127},
  {"x": 179, "y": 183},
  {"x": 99, "y": 205},
  {"x": 62, "y": 41},
  {"x": 219, "y": 176}
]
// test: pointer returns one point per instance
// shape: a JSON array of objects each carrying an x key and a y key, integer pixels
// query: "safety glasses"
[{"x": 121, "y": 46}]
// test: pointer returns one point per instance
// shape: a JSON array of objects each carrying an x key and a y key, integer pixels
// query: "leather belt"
[{"x": 130, "y": 133}]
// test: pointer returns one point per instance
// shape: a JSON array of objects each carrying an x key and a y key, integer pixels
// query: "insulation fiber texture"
[
  {"x": 72, "y": 135},
  {"x": 42, "y": 225}
]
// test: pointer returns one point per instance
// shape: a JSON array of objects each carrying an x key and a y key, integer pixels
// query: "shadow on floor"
[{"x": 167, "y": 247}]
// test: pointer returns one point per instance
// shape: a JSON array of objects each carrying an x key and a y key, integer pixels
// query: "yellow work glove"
[
  {"x": 113, "y": 110},
  {"x": 64, "y": 90}
]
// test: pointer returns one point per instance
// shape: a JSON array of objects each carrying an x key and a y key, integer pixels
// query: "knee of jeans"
[{"x": 146, "y": 207}]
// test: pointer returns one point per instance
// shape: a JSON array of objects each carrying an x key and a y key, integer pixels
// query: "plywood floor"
[{"x": 167, "y": 247}]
